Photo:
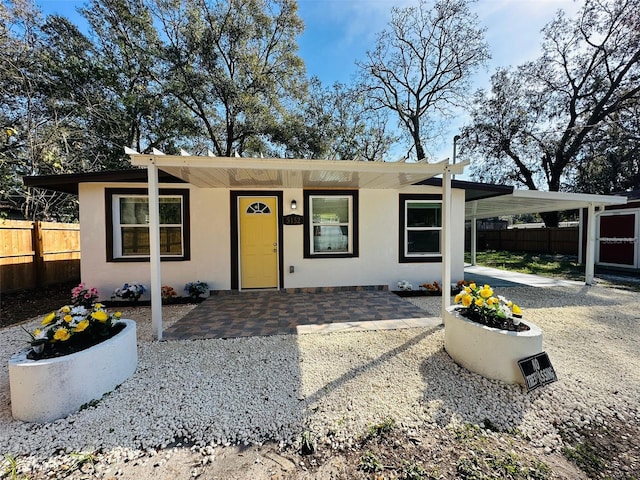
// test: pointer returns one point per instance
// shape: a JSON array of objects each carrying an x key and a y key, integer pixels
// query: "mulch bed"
[
  {"x": 17, "y": 307},
  {"x": 417, "y": 293},
  {"x": 147, "y": 303}
]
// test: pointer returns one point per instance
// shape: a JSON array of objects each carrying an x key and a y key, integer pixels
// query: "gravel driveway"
[{"x": 252, "y": 390}]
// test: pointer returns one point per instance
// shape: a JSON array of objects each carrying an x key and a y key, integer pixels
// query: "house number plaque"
[{"x": 293, "y": 219}]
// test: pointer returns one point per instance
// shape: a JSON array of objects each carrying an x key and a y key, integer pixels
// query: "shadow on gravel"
[
  {"x": 556, "y": 297},
  {"x": 355, "y": 372},
  {"x": 455, "y": 394}
]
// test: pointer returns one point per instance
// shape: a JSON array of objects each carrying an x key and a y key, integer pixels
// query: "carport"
[{"x": 501, "y": 201}]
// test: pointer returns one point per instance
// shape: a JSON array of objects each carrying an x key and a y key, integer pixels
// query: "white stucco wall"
[
  {"x": 377, "y": 263},
  {"x": 210, "y": 239}
]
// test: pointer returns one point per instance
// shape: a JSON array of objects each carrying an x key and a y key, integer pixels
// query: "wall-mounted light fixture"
[{"x": 294, "y": 204}]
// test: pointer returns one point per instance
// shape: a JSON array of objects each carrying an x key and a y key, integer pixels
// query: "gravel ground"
[{"x": 249, "y": 391}]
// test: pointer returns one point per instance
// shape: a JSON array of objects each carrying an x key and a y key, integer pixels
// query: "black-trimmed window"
[
  {"x": 420, "y": 228},
  {"x": 127, "y": 217},
  {"x": 330, "y": 223}
]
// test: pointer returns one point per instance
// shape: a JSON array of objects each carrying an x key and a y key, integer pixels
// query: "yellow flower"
[
  {"x": 37, "y": 332},
  {"x": 509, "y": 303},
  {"x": 100, "y": 315},
  {"x": 486, "y": 292},
  {"x": 492, "y": 301},
  {"x": 82, "y": 326},
  {"x": 62, "y": 334},
  {"x": 516, "y": 310},
  {"x": 472, "y": 286},
  {"x": 67, "y": 318},
  {"x": 49, "y": 318},
  {"x": 467, "y": 289},
  {"x": 98, "y": 305},
  {"x": 65, "y": 309},
  {"x": 466, "y": 300},
  {"x": 117, "y": 314},
  {"x": 457, "y": 298},
  {"x": 479, "y": 302}
]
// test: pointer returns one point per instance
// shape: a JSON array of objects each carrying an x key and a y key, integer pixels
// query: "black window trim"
[
  {"x": 186, "y": 223},
  {"x": 307, "y": 194},
  {"x": 403, "y": 199}
]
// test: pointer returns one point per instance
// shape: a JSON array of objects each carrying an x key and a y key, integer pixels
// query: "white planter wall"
[
  {"x": 46, "y": 390},
  {"x": 490, "y": 352}
]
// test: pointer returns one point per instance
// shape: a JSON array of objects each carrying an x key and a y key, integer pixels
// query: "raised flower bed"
[
  {"x": 486, "y": 337},
  {"x": 79, "y": 353},
  {"x": 48, "y": 389}
]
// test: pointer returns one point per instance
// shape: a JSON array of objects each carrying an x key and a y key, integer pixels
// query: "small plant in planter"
[
  {"x": 129, "y": 291},
  {"x": 434, "y": 287},
  {"x": 84, "y": 296},
  {"x": 196, "y": 289},
  {"x": 480, "y": 305},
  {"x": 404, "y": 286},
  {"x": 71, "y": 329},
  {"x": 459, "y": 286},
  {"x": 168, "y": 294}
]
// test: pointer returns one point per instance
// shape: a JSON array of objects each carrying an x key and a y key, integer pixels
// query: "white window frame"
[
  {"x": 408, "y": 229},
  {"x": 117, "y": 226},
  {"x": 348, "y": 224}
]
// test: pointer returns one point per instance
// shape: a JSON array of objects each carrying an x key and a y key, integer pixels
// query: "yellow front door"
[{"x": 258, "y": 242}]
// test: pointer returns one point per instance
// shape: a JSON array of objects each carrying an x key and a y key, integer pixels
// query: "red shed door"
[{"x": 618, "y": 239}]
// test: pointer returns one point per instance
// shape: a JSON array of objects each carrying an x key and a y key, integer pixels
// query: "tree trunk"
[
  {"x": 551, "y": 219},
  {"x": 415, "y": 133}
]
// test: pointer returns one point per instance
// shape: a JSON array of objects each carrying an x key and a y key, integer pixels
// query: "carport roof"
[{"x": 519, "y": 202}]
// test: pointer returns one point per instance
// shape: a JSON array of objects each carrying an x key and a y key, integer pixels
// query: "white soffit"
[
  {"x": 242, "y": 172},
  {"x": 535, "y": 201}
]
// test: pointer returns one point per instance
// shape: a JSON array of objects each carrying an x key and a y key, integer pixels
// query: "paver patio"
[{"x": 285, "y": 312}]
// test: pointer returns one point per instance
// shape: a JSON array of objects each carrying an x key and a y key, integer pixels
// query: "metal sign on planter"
[
  {"x": 292, "y": 219},
  {"x": 537, "y": 371}
]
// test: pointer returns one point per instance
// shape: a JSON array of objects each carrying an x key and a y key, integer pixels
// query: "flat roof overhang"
[
  {"x": 243, "y": 172},
  {"x": 68, "y": 182},
  {"x": 520, "y": 202}
]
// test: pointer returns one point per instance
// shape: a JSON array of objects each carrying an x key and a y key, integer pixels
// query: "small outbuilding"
[{"x": 618, "y": 234}]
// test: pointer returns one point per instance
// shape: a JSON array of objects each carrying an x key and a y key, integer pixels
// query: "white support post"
[
  {"x": 589, "y": 267},
  {"x": 581, "y": 226},
  {"x": 154, "y": 250},
  {"x": 474, "y": 235},
  {"x": 474, "y": 240},
  {"x": 446, "y": 239}
]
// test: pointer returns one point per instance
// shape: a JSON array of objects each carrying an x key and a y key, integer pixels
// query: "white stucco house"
[
  {"x": 249, "y": 223},
  {"x": 246, "y": 227}
]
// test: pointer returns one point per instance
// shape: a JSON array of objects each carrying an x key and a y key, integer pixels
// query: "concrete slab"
[{"x": 504, "y": 278}]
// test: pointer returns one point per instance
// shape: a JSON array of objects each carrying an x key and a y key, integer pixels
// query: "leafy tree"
[
  {"x": 36, "y": 132},
  {"x": 611, "y": 162},
  {"x": 335, "y": 123},
  {"x": 543, "y": 121},
  {"x": 232, "y": 64},
  {"x": 135, "y": 112},
  {"x": 423, "y": 63}
]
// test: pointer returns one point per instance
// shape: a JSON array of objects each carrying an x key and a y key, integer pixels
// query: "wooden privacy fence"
[
  {"x": 538, "y": 240},
  {"x": 36, "y": 254}
]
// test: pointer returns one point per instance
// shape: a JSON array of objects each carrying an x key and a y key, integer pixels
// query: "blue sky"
[{"x": 339, "y": 32}]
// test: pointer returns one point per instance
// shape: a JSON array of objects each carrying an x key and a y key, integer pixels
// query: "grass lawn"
[{"x": 548, "y": 265}]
